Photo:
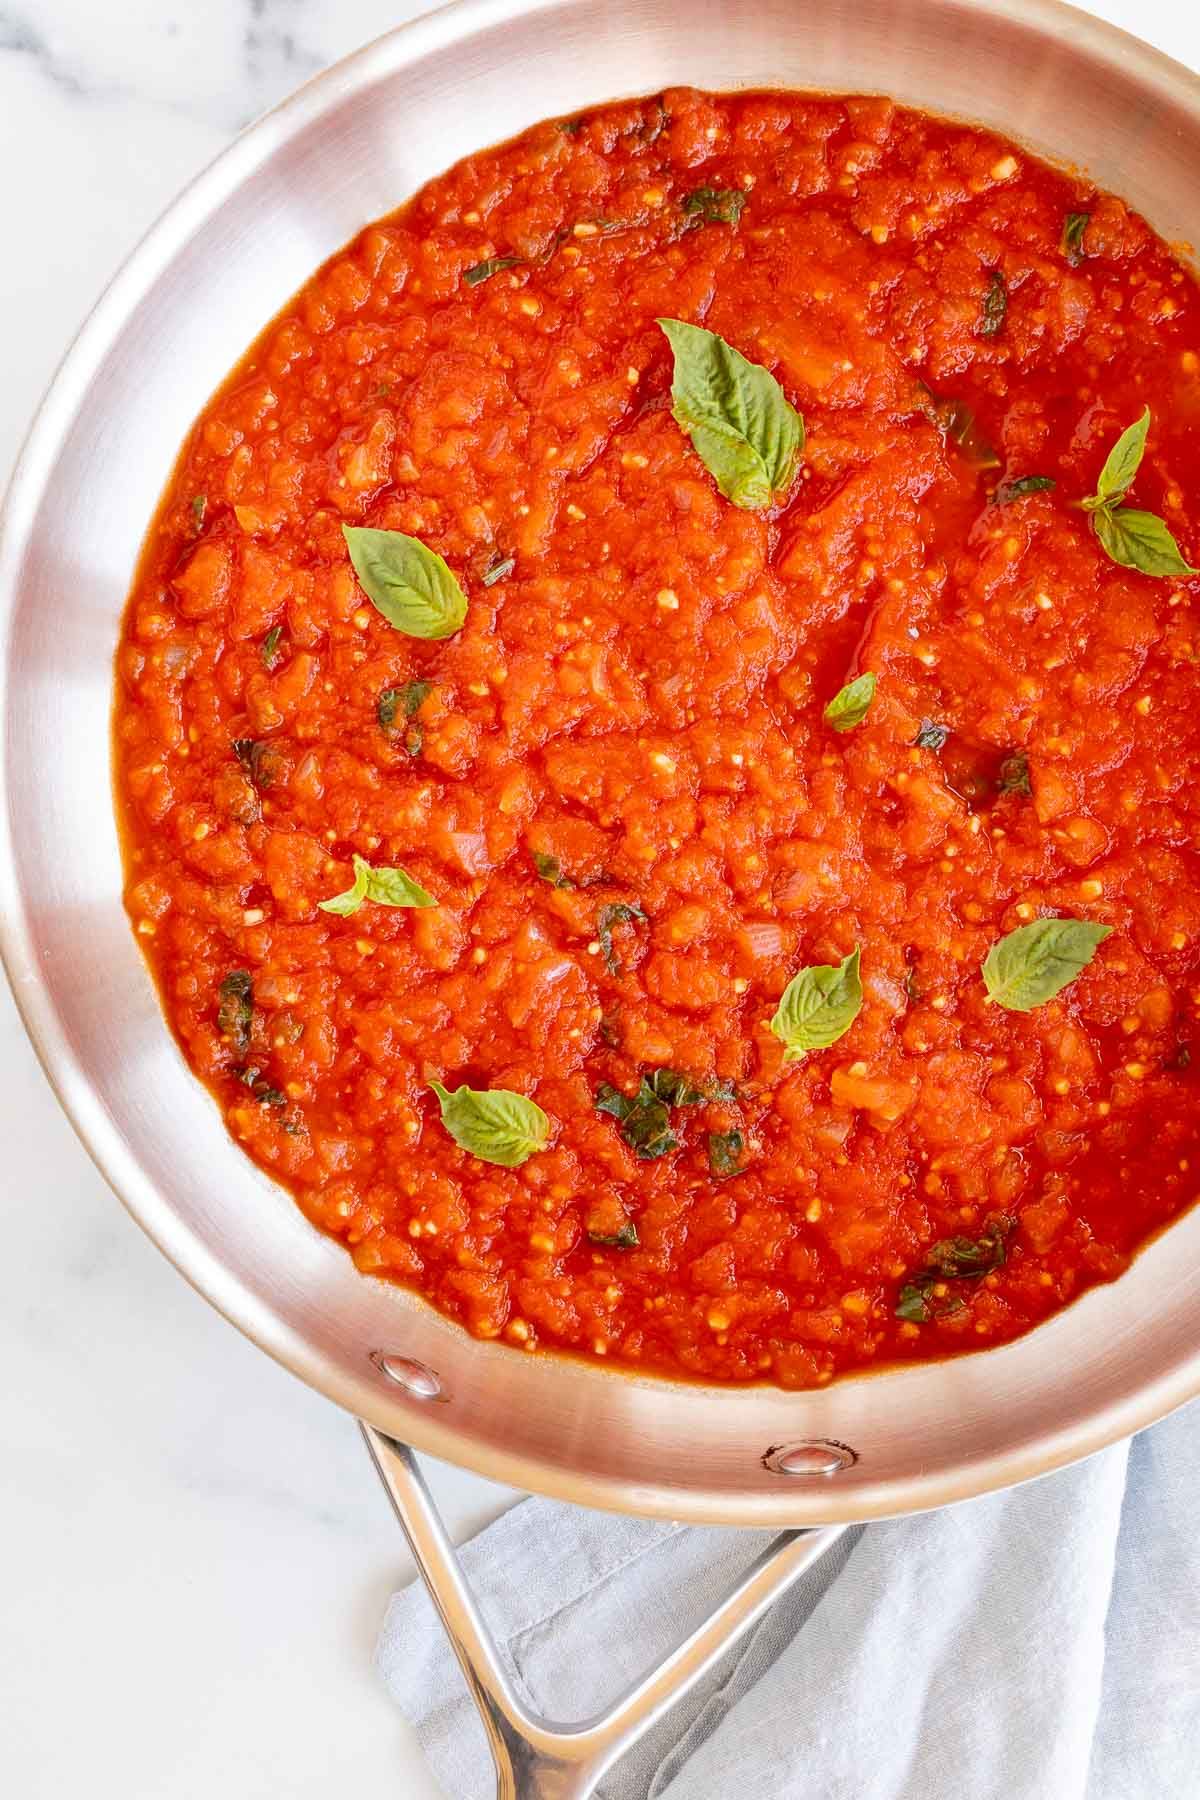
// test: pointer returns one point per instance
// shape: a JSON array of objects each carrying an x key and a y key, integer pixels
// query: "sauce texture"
[{"x": 634, "y": 707}]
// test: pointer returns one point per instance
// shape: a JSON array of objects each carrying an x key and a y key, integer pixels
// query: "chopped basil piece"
[
  {"x": 851, "y": 704},
  {"x": 386, "y": 887},
  {"x": 408, "y": 700},
  {"x": 994, "y": 306},
  {"x": 624, "y": 1239},
  {"x": 235, "y": 1008},
  {"x": 499, "y": 566},
  {"x": 676, "y": 1089},
  {"x": 714, "y": 206},
  {"x": 1024, "y": 484},
  {"x": 269, "y": 650},
  {"x": 493, "y": 1124},
  {"x": 569, "y": 127},
  {"x": 955, "y": 420},
  {"x": 1035, "y": 962},
  {"x": 264, "y": 1093},
  {"x": 1135, "y": 540},
  {"x": 1071, "y": 245},
  {"x": 199, "y": 506},
  {"x": 550, "y": 869},
  {"x": 259, "y": 760},
  {"x": 931, "y": 736},
  {"x": 953, "y": 1259},
  {"x": 818, "y": 1006},
  {"x": 1014, "y": 774},
  {"x": 619, "y": 913},
  {"x": 725, "y": 1153},
  {"x": 742, "y": 426},
  {"x": 407, "y": 582},
  {"x": 494, "y": 265}
]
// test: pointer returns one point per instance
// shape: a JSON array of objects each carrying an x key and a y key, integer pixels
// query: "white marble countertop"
[{"x": 195, "y": 1554}]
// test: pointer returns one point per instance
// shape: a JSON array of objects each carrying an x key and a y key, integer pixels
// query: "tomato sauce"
[{"x": 635, "y": 706}]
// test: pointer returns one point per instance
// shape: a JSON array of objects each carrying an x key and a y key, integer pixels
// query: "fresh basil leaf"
[
  {"x": 913, "y": 1303},
  {"x": 725, "y": 1153},
  {"x": 493, "y": 1124},
  {"x": 235, "y": 1008},
  {"x": 851, "y": 704},
  {"x": 550, "y": 869},
  {"x": 818, "y": 1006},
  {"x": 1121, "y": 465},
  {"x": 493, "y": 265},
  {"x": 931, "y": 735},
  {"x": 994, "y": 307},
  {"x": 406, "y": 581},
  {"x": 1139, "y": 540},
  {"x": 619, "y": 913},
  {"x": 269, "y": 651},
  {"x": 742, "y": 427},
  {"x": 1014, "y": 774},
  {"x": 1035, "y": 962},
  {"x": 199, "y": 506},
  {"x": 1024, "y": 484},
  {"x": 499, "y": 566},
  {"x": 624, "y": 1239},
  {"x": 611, "y": 1100},
  {"x": 1071, "y": 246},
  {"x": 714, "y": 206},
  {"x": 386, "y": 887}
]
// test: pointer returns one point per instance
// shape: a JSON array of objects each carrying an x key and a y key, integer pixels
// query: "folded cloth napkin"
[{"x": 1040, "y": 1644}]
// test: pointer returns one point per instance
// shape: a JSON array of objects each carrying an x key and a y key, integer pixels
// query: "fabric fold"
[{"x": 1039, "y": 1644}]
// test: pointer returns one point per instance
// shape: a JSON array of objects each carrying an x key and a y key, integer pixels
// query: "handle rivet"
[
  {"x": 811, "y": 1456},
  {"x": 416, "y": 1378}
]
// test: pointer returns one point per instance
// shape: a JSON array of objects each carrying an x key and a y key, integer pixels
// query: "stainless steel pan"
[{"x": 237, "y": 243}]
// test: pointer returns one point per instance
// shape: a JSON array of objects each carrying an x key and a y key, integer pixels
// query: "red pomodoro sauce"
[{"x": 638, "y": 702}]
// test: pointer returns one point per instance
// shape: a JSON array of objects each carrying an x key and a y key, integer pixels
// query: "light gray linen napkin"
[{"x": 1040, "y": 1644}]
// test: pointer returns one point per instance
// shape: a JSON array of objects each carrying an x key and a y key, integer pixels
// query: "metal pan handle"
[{"x": 541, "y": 1759}]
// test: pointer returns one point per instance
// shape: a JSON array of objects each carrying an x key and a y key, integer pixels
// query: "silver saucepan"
[{"x": 348, "y": 147}]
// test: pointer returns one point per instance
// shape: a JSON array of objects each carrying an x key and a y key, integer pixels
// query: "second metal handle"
[{"x": 537, "y": 1758}]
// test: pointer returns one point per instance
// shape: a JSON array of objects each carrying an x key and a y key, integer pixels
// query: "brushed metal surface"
[{"x": 348, "y": 147}]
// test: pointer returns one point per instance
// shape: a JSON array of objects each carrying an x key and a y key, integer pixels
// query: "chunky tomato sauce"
[{"x": 635, "y": 707}]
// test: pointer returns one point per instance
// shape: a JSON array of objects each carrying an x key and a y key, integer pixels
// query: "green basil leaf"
[
  {"x": 269, "y": 651},
  {"x": 1014, "y": 774},
  {"x": 624, "y": 1239},
  {"x": 235, "y": 1008},
  {"x": 742, "y": 427},
  {"x": 994, "y": 307},
  {"x": 1121, "y": 464},
  {"x": 1071, "y": 246},
  {"x": 493, "y": 1124},
  {"x": 499, "y": 566},
  {"x": 407, "y": 582},
  {"x": 550, "y": 869},
  {"x": 1035, "y": 962},
  {"x": 1024, "y": 484},
  {"x": 851, "y": 704},
  {"x": 818, "y": 1006},
  {"x": 725, "y": 1153},
  {"x": 931, "y": 735},
  {"x": 645, "y": 1117},
  {"x": 714, "y": 206},
  {"x": 955, "y": 420},
  {"x": 408, "y": 700},
  {"x": 387, "y": 887},
  {"x": 619, "y": 913},
  {"x": 199, "y": 506},
  {"x": 1139, "y": 540},
  {"x": 483, "y": 271}
]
